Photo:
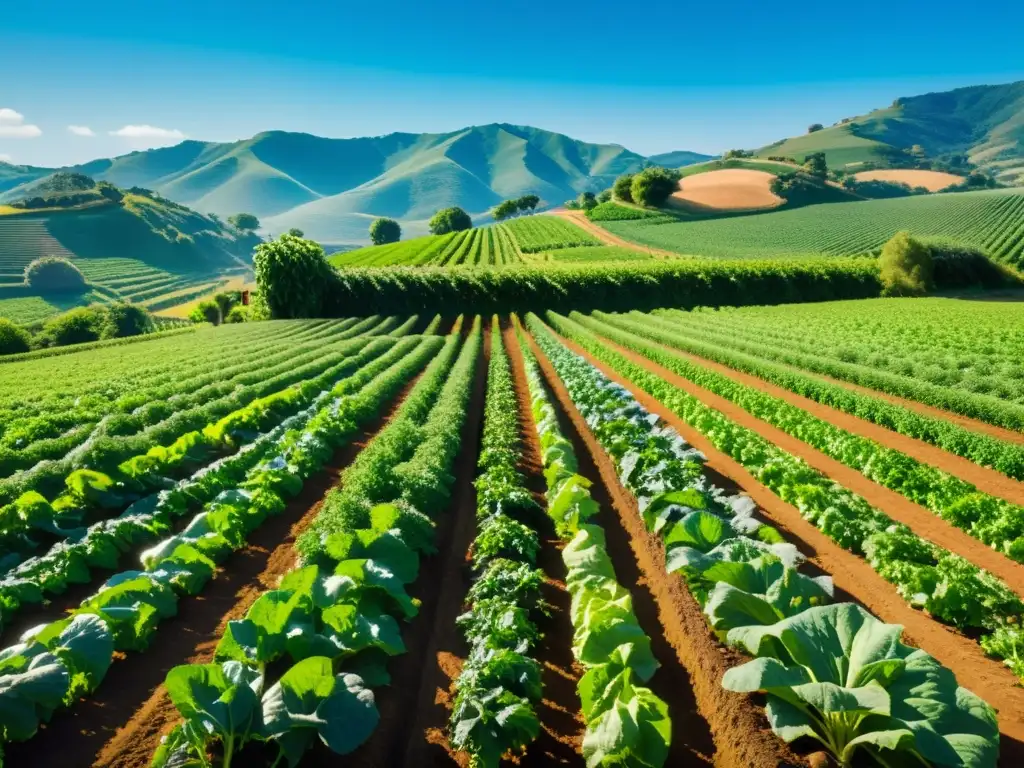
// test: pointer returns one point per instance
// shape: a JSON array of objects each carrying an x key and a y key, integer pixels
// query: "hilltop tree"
[
  {"x": 604, "y": 196},
  {"x": 905, "y": 266},
  {"x": 385, "y": 231},
  {"x": 450, "y": 220},
  {"x": 293, "y": 276},
  {"x": 815, "y": 165},
  {"x": 652, "y": 186},
  {"x": 245, "y": 222},
  {"x": 54, "y": 274},
  {"x": 504, "y": 209},
  {"x": 586, "y": 200},
  {"x": 296, "y": 232},
  {"x": 815, "y": 127},
  {"x": 527, "y": 203},
  {"x": 622, "y": 188}
]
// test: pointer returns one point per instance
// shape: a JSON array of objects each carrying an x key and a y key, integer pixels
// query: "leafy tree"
[
  {"x": 652, "y": 186},
  {"x": 504, "y": 209},
  {"x": 126, "y": 320},
  {"x": 737, "y": 153},
  {"x": 238, "y": 314},
  {"x": 292, "y": 276},
  {"x": 54, "y": 274},
  {"x": 385, "y": 231},
  {"x": 110, "y": 192},
  {"x": 572, "y": 205},
  {"x": 814, "y": 127},
  {"x": 206, "y": 312},
  {"x": 75, "y": 327},
  {"x": 245, "y": 222},
  {"x": 13, "y": 338},
  {"x": 450, "y": 220},
  {"x": 905, "y": 266},
  {"x": 604, "y": 196},
  {"x": 225, "y": 300},
  {"x": 296, "y": 232},
  {"x": 527, "y": 203},
  {"x": 623, "y": 188},
  {"x": 815, "y": 165},
  {"x": 586, "y": 200}
]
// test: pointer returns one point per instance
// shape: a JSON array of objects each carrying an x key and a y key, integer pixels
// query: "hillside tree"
[
  {"x": 905, "y": 266},
  {"x": 604, "y": 196},
  {"x": 245, "y": 222},
  {"x": 125, "y": 319},
  {"x": 13, "y": 338},
  {"x": 815, "y": 165},
  {"x": 296, "y": 232},
  {"x": 385, "y": 231},
  {"x": 447, "y": 220},
  {"x": 527, "y": 203},
  {"x": 622, "y": 188},
  {"x": 504, "y": 209},
  {"x": 815, "y": 127},
  {"x": 292, "y": 276},
  {"x": 586, "y": 200},
  {"x": 652, "y": 186}
]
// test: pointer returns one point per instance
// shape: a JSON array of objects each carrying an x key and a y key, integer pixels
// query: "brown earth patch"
[
  {"x": 855, "y": 578},
  {"x": 933, "y": 181},
  {"x": 729, "y": 189}
]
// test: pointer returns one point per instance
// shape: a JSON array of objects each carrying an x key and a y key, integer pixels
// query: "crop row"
[
  {"x": 945, "y": 585},
  {"x": 1001, "y": 455},
  {"x": 536, "y": 234},
  {"x": 55, "y": 664},
  {"x": 336, "y": 616},
  {"x": 499, "y": 686},
  {"x": 818, "y": 662},
  {"x": 626, "y": 723},
  {"x": 997, "y": 523}
]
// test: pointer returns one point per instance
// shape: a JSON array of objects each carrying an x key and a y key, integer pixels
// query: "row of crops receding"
[{"x": 406, "y": 539}]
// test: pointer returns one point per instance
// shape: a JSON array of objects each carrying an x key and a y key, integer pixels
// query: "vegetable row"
[{"x": 830, "y": 671}]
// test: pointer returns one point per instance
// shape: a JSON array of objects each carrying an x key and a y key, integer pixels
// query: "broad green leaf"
[
  {"x": 216, "y": 699},
  {"x": 355, "y": 630},
  {"x": 28, "y": 696}
]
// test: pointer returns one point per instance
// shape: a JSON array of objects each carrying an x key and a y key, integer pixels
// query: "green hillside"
[
  {"x": 678, "y": 159},
  {"x": 983, "y": 125},
  {"x": 333, "y": 188},
  {"x": 990, "y": 219},
  {"x": 143, "y": 249}
]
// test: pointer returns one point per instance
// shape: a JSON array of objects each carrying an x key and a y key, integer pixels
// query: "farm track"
[
  {"x": 709, "y": 724},
  {"x": 411, "y": 709},
  {"x": 606, "y": 237},
  {"x": 921, "y": 520},
  {"x": 988, "y": 480},
  {"x": 853, "y": 577},
  {"x": 120, "y": 724}
]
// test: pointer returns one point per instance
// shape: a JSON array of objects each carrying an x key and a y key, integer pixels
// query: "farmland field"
[
  {"x": 991, "y": 219},
  {"x": 422, "y": 540}
]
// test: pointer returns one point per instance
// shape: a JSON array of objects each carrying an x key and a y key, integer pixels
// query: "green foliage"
[
  {"x": 604, "y": 196},
  {"x": 449, "y": 220},
  {"x": 905, "y": 266},
  {"x": 384, "y": 231},
  {"x": 543, "y": 233},
  {"x": 813, "y": 127},
  {"x": 126, "y": 320},
  {"x": 245, "y": 222},
  {"x": 238, "y": 314},
  {"x": 652, "y": 186},
  {"x": 814, "y": 165},
  {"x": 296, "y": 232},
  {"x": 586, "y": 201},
  {"x": 610, "y": 211},
  {"x": 293, "y": 276},
  {"x": 527, "y": 203},
  {"x": 75, "y": 327},
  {"x": 54, "y": 274},
  {"x": 207, "y": 311},
  {"x": 504, "y": 209},
  {"x": 622, "y": 189},
  {"x": 13, "y": 338}
]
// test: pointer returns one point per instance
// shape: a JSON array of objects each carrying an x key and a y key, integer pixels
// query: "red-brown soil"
[{"x": 854, "y": 577}]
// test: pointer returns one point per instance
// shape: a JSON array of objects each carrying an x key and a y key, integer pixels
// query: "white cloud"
[
  {"x": 13, "y": 126},
  {"x": 147, "y": 132},
  {"x": 81, "y": 130},
  {"x": 6, "y": 159}
]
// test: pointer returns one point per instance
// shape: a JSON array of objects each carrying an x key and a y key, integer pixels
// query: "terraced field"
[
  {"x": 568, "y": 539},
  {"x": 990, "y": 219}
]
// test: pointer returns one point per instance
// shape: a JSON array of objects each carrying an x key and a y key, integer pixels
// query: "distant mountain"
[
  {"x": 332, "y": 188},
  {"x": 983, "y": 123},
  {"x": 678, "y": 158}
]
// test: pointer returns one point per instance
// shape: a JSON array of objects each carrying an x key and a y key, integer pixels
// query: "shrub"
[
  {"x": 206, "y": 312},
  {"x": 54, "y": 274},
  {"x": 450, "y": 220},
  {"x": 292, "y": 275},
  {"x": 815, "y": 165},
  {"x": 604, "y": 196},
  {"x": 126, "y": 320},
  {"x": 13, "y": 338},
  {"x": 814, "y": 127},
  {"x": 225, "y": 300},
  {"x": 385, "y": 231},
  {"x": 296, "y": 232},
  {"x": 75, "y": 327},
  {"x": 623, "y": 188},
  {"x": 586, "y": 200},
  {"x": 905, "y": 266},
  {"x": 238, "y": 314},
  {"x": 504, "y": 209},
  {"x": 652, "y": 186},
  {"x": 245, "y": 222}
]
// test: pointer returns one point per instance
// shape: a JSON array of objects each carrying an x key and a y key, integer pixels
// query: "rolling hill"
[
  {"x": 332, "y": 188},
  {"x": 983, "y": 123}
]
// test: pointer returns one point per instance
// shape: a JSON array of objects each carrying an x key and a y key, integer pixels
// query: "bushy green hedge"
[{"x": 609, "y": 287}]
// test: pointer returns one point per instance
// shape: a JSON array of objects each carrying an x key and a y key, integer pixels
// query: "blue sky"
[{"x": 653, "y": 77}]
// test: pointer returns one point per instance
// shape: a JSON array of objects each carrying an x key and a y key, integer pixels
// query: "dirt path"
[
  {"x": 412, "y": 708},
  {"x": 985, "y": 479},
  {"x": 854, "y": 577},
  {"x": 898, "y": 507},
  {"x": 120, "y": 725},
  {"x": 562, "y": 726},
  {"x": 580, "y": 220},
  {"x": 709, "y": 725}
]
